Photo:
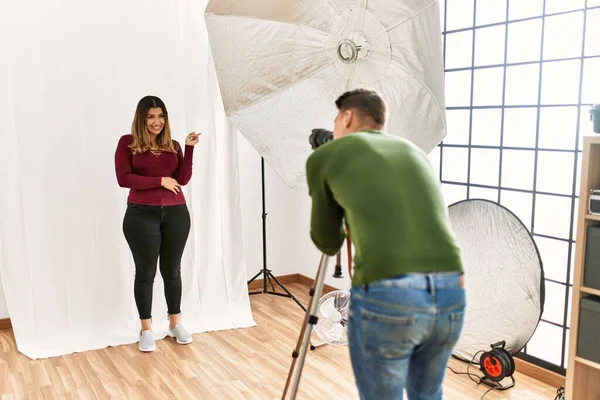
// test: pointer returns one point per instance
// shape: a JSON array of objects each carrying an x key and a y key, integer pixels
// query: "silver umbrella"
[{"x": 282, "y": 63}]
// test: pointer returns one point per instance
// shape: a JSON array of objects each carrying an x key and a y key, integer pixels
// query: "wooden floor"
[{"x": 247, "y": 363}]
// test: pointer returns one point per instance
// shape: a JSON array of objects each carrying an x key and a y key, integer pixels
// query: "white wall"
[{"x": 3, "y": 307}]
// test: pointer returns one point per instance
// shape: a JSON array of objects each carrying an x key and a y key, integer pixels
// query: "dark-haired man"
[{"x": 407, "y": 301}]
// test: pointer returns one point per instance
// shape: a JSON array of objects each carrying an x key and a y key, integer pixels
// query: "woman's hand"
[
  {"x": 170, "y": 184},
  {"x": 192, "y": 139}
]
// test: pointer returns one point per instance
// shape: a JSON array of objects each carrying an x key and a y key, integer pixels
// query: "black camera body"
[
  {"x": 319, "y": 137},
  {"x": 595, "y": 116}
]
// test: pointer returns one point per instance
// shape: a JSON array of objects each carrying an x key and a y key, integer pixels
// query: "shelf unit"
[{"x": 583, "y": 376}]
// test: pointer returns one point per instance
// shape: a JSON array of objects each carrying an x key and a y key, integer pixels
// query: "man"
[{"x": 407, "y": 300}]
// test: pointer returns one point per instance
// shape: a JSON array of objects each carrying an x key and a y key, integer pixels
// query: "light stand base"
[{"x": 269, "y": 277}]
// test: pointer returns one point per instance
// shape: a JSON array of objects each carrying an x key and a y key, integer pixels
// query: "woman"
[{"x": 157, "y": 222}]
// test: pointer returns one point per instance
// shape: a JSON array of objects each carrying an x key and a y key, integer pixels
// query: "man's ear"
[{"x": 348, "y": 118}]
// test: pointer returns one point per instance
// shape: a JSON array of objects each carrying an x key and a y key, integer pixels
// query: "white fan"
[{"x": 333, "y": 318}]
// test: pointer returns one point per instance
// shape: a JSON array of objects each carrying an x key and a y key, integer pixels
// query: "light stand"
[{"x": 266, "y": 273}]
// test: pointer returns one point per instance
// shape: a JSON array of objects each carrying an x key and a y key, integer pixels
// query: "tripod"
[
  {"x": 310, "y": 320},
  {"x": 266, "y": 273}
]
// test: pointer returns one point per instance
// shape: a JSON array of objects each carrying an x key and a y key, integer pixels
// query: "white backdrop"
[{"x": 71, "y": 74}]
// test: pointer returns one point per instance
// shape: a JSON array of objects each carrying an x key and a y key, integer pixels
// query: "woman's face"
[{"x": 155, "y": 121}]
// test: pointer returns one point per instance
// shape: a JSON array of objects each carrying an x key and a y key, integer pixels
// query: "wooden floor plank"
[{"x": 250, "y": 363}]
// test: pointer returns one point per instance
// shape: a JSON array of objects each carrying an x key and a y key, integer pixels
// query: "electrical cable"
[{"x": 479, "y": 379}]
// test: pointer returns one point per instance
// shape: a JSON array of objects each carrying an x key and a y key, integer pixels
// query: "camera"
[
  {"x": 319, "y": 137},
  {"x": 595, "y": 116}
]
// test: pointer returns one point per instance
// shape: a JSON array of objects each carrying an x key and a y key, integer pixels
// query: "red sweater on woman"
[{"x": 142, "y": 173}]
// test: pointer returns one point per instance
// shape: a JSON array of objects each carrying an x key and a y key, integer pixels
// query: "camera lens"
[{"x": 319, "y": 137}]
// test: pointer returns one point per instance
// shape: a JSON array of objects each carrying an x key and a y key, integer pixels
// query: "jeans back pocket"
[
  {"x": 455, "y": 326},
  {"x": 391, "y": 337}
]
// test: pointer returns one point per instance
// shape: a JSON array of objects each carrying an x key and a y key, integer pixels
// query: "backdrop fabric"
[{"x": 71, "y": 75}]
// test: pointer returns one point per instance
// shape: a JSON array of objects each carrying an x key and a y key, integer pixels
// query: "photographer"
[{"x": 407, "y": 300}]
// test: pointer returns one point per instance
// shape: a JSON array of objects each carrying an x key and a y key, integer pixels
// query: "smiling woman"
[{"x": 157, "y": 220}]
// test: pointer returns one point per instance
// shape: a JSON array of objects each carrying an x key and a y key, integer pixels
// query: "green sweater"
[{"x": 388, "y": 193}]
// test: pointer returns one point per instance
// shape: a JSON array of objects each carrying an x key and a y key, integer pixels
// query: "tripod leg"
[
  {"x": 254, "y": 277},
  {"x": 310, "y": 319},
  {"x": 269, "y": 275},
  {"x": 338, "y": 266},
  {"x": 288, "y": 292}
]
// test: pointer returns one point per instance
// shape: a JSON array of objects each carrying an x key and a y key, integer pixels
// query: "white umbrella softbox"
[
  {"x": 282, "y": 63},
  {"x": 503, "y": 274}
]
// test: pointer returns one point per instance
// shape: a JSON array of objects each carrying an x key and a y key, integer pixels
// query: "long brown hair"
[{"x": 141, "y": 138}]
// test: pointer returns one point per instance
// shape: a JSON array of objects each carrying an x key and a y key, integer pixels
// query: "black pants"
[{"x": 153, "y": 232}]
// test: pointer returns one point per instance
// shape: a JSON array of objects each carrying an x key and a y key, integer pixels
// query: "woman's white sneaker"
[
  {"x": 181, "y": 334},
  {"x": 147, "y": 343}
]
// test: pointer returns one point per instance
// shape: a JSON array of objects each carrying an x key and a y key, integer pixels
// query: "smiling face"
[
  {"x": 150, "y": 127},
  {"x": 155, "y": 121}
]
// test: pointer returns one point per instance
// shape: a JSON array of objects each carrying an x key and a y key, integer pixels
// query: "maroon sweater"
[{"x": 142, "y": 173}]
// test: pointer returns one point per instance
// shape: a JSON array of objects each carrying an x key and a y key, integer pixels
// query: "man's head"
[{"x": 357, "y": 110}]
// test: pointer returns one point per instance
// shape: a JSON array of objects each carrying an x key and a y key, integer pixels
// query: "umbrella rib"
[
  {"x": 350, "y": 80},
  {"x": 353, "y": 76},
  {"x": 284, "y": 88},
  {"x": 340, "y": 13},
  {"x": 274, "y": 56},
  {"x": 426, "y": 88},
  {"x": 397, "y": 24},
  {"x": 219, "y": 16}
]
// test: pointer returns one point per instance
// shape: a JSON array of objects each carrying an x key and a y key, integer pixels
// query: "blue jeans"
[{"x": 401, "y": 333}]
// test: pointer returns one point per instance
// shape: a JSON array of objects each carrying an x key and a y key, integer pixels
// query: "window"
[{"x": 520, "y": 79}]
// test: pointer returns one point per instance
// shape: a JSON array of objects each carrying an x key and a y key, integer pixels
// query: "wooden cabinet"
[{"x": 583, "y": 376}]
